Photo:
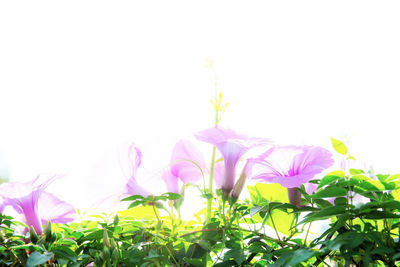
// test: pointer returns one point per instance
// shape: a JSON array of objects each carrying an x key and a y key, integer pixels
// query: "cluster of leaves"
[{"x": 359, "y": 215}]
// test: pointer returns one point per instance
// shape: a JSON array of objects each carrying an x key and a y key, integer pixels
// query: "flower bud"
[
  {"x": 237, "y": 189},
  {"x": 33, "y": 236},
  {"x": 98, "y": 261},
  {"x": 106, "y": 242},
  {"x": 115, "y": 256},
  {"x": 48, "y": 231},
  {"x": 116, "y": 220},
  {"x": 106, "y": 254}
]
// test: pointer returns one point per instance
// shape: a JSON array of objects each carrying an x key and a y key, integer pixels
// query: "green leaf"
[
  {"x": 294, "y": 257},
  {"x": 378, "y": 215},
  {"x": 134, "y": 197},
  {"x": 351, "y": 157},
  {"x": 382, "y": 250},
  {"x": 35, "y": 258},
  {"x": 371, "y": 186},
  {"x": 339, "y": 146},
  {"x": 348, "y": 240},
  {"x": 254, "y": 210},
  {"x": 340, "y": 201},
  {"x": 195, "y": 262},
  {"x": 172, "y": 196},
  {"x": 325, "y": 213},
  {"x": 237, "y": 254},
  {"x": 331, "y": 177},
  {"x": 330, "y": 192},
  {"x": 65, "y": 252},
  {"x": 390, "y": 204},
  {"x": 205, "y": 245},
  {"x": 356, "y": 171}
]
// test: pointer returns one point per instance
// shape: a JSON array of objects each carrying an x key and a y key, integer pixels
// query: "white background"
[{"x": 78, "y": 78}]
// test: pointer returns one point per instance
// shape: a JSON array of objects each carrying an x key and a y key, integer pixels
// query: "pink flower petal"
[
  {"x": 187, "y": 162},
  {"x": 55, "y": 210},
  {"x": 290, "y": 166},
  {"x": 232, "y": 147},
  {"x": 171, "y": 181}
]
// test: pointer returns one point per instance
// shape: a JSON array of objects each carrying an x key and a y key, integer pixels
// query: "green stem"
[
  {"x": 158, "y": 219},
  {"x": 273, "y": 224},
  {"x": 308, "y": 230},
  {"x": 210, "y": 186}
]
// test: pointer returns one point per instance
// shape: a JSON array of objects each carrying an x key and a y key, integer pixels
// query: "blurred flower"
[
  {"x": 232, "y": 147},
  {"x": 55, "y": 210},
  {"x": 130, "y": 158},
  {"x": 2, "y": 204},
  {"x": 37, "y": 206},
  {"x": 131, "y": 186},
  {"x": 219, "y": 169},
  {"x": 290, "y": 166},
  {"x": 187, "y": 165}
]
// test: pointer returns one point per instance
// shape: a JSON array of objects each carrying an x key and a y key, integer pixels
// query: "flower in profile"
[
  {"x": 290, "y": 166},
  {"x": 129, "y": 159},
  {"x": 36, "y": 206},
  {"x": 131, "y": 186},
  {"x": 232, "y": 147},
  {"x": 187, "y": 165}
]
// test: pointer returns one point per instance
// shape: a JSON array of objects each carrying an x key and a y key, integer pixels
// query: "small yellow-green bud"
[{"x": 106, "y": 242}]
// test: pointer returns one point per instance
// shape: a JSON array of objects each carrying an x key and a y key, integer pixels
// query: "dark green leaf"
[
  {"x": 195, "y": 262},
  {"x": 330, "y": 178},
  {"x": 325, "y": 213},
  {"x": 237, "y": 255},
  {"x": 294, "y": 257},
  {"x": 65, "y": 252},
  {"x": 330, "y": 192},
  {"x": 35, "y": 258},
  {"x": 377, "y": 215}
]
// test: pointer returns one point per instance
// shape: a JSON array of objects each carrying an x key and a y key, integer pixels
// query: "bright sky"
[{"x": 78, "y": 78}]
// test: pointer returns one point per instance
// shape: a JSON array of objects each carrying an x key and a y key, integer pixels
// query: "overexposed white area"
[{"x": 78, "y": 78}]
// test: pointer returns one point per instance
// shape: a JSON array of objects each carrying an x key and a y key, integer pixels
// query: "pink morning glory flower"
[
  {"x": 290, "y": 166},
  {"x": 37, "y": 206},
  {"x": 130, "y": 159},
  {"x": 232, "y": 147},
  {"x": 187, "y": 165},
  {"x": 132, "y": 187}
]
